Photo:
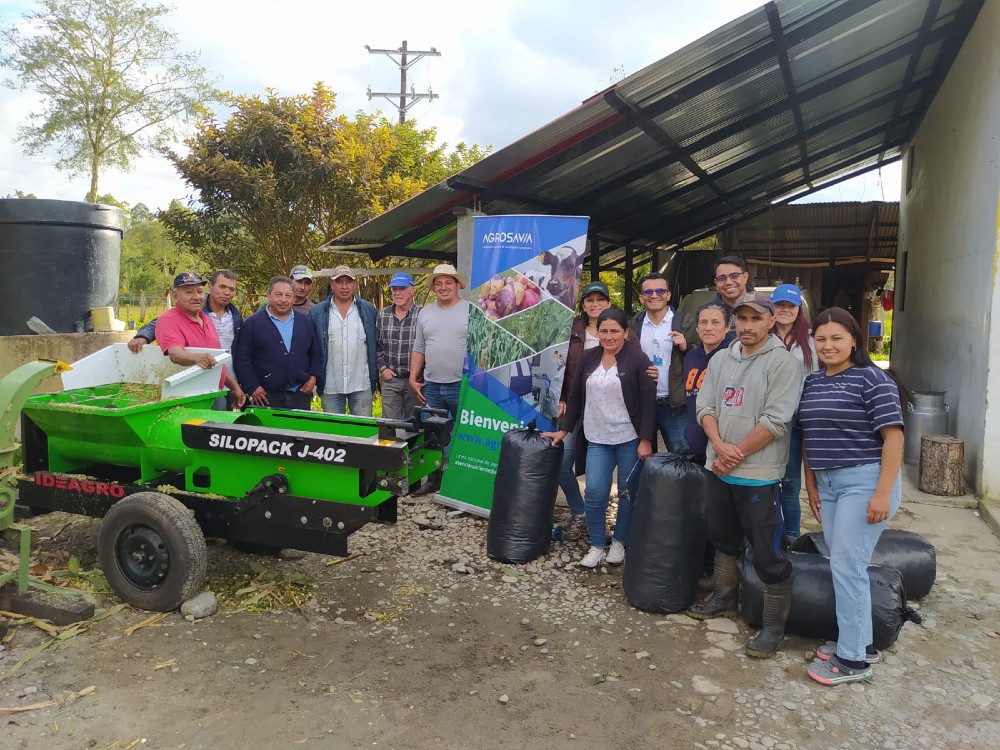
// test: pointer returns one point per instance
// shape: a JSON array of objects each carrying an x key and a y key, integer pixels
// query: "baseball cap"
[
  {"x": 301, "y": 272},
  {"x": 342, "y": 271},
  {"x": 596, "y": 286},
  {"x": 401, "y": 279},
  {"x": 787, "y": 293},
  {"x": 187, "y": 278},
  {"x": 758, "y": 301}
]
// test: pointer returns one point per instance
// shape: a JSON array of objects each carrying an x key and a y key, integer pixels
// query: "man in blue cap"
[{"x": 395, "y": 329}]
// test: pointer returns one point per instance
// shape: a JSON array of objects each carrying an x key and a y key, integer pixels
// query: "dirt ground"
[{"x": 396, "y": 649}]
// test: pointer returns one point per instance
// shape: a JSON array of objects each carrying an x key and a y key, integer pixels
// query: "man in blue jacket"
[
  {"x": 345, "y": 329},
  {"x": 278, "y": 361}
]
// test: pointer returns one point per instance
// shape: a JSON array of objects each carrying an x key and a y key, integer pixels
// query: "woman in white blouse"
[{"x": 616, "y": 399}]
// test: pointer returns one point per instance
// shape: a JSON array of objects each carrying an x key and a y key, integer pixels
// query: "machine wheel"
[{"x": 152, "y": 551}]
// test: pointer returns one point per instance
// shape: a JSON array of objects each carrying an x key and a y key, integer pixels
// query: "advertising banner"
[{"x": 524, "y": 283}]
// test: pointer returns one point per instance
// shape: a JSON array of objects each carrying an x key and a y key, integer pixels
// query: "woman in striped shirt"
[{"x": 853, "y": 452}]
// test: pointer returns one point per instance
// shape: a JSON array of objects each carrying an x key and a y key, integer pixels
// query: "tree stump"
[{"x": 942, "y": 465}]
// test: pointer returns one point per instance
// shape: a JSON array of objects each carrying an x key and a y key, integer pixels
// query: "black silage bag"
[
  {"x": 909, "y": 553},
  {"x": 666, "y": 542},
  {"x": 814, "y": 611},
  {"x": 524, "y": 493}
]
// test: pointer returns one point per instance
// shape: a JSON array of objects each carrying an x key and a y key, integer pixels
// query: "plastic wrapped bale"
[
  {"x": 814, "y": 613},
  {"x": 524, "y": 493},
  {"x": 909, "y": 553},
  {"x": 666, "y": 541}
]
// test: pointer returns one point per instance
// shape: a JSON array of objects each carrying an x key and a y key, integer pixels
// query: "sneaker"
[
  {"x": 832, "y": 672},
  {"x": 829, "y": 649},
  {"x": 574, "y": 528},
  {"x": 616, "y": 555},
  {"x": 594, "y": 557}
]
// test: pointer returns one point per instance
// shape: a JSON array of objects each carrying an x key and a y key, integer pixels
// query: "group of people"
[
  {"x": 341, "y": 349},
  {"x": 757, "y": 395}
]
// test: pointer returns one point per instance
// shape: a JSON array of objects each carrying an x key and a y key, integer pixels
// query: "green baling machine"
[{"x": 164, "y": 470}]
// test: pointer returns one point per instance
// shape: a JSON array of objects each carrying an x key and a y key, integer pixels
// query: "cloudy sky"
[{"x": 505, "y": 69}]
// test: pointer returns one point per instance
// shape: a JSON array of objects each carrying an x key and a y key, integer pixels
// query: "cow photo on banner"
[{"x": 523, "y": 287}]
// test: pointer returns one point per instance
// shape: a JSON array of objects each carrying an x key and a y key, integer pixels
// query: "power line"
[{"x": 404, "y": 59}]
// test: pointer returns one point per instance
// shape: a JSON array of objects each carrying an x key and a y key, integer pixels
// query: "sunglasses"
[
  {"x": 734, "y": 276},
  {"x": 650, "y": 292}
]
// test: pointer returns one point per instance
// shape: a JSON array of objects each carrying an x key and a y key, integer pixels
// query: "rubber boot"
[
  {"x": 777, "y": 603},
  {"x": 431, "y": 484},
  {"x": 724, "y": 600}
]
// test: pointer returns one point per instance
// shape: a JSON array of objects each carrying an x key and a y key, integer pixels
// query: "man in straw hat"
[{"x": 439, "y": 348}]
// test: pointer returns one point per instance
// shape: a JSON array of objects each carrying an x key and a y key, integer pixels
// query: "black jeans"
[{"x": 753, "y": 513}]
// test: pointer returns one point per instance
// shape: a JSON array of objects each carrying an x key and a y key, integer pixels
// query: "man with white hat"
[
  {"x": 439, "y": 349},
  {"x": 302, "y": 279},
  {"x": 345, "y": 326},
  {"x": 396, "y": 327}
]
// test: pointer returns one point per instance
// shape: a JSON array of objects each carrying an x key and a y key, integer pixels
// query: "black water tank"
[{"x": 60, "y": 259}]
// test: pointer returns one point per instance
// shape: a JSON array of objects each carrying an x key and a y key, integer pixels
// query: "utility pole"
[{"x": 404, "y": 59}]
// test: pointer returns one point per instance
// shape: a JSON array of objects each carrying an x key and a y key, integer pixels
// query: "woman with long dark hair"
[
  {"x": 853, "y": 427},
  {"x": 614, "y": 397},
  {"x": 594, "y": 299},
  {"x": 792, "y": 327}
]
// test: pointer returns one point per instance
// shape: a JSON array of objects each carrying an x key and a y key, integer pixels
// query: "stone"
[
  {"x": 291, "y": 554},
  {"x": 704, "y": 686},
  {"x": 641, "y": 654},
  {"x": 250, "y": 661},
  {"x": 980, "y": 700},
  {"x": 201, "y": 605},
  {"x": 722, "y": 625},
  {"x": 504, "y": 699},
  {"x": 539, "y": 642}
]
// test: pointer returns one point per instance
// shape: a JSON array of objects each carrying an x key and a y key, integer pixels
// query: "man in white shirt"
[{"x": 345, "y": 327}]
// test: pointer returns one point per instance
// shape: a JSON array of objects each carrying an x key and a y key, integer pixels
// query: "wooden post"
[{"x": 942, "y": 465}]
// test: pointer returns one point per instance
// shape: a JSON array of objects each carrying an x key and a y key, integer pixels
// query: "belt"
[{"x": 664, "y": 400}]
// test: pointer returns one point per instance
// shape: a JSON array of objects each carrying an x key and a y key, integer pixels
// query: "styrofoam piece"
[{"x": 117, "y": 364}]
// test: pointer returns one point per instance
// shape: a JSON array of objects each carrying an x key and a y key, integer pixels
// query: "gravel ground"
[{"x": 422, "y": 641}]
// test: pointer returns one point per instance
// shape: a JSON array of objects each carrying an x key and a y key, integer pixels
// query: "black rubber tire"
[{"x": 152, "y": 551}]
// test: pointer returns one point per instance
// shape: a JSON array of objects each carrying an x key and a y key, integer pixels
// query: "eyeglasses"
[
  {"x": 734, "y": 276},
  {"x": 650, "y": 292}
]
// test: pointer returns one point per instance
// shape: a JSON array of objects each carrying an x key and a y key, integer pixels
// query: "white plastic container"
[{"x": 117, "y": 364}]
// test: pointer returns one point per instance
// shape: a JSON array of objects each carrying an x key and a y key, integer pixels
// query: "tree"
[
  {"x": 113, "y": 82},
  {"x": 283, "y": 174}
]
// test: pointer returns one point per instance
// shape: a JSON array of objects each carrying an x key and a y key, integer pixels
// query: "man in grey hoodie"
[{"x": 745, "y": 406}]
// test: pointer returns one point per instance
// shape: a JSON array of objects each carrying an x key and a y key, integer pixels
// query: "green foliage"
[
  {"x": 284, "y": 174},
  {"x": 112, "y": 81},
  {"x": 495, "y": 346},
  {"x": 540, "y": 326}
]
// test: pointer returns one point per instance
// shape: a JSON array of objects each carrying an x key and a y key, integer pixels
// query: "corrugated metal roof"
[
  {"x": 812, "y": 233},
  {"x": 791, "y": 97}
]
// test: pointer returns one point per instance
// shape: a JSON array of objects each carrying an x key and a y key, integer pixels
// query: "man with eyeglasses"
[
  {"x": 659, "y": 331},
  {"x": 732, "y": 281}
]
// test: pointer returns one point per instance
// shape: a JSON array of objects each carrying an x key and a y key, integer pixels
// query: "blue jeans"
[
  {"x": 567, "y": 475},
  {"x": 844, "y": 494},
  {"x": 791, "y": 485},
  {"x": 360, "y": 403},
  {"x": 671, "y": 421},
  {"x": 443, "y": 396},
  {"x": 601, "y": 462}
]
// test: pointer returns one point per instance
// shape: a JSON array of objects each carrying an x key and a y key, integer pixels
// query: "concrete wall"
[
  {"x": 67, "y": 347},
  {"x": 946, "y": 328}
]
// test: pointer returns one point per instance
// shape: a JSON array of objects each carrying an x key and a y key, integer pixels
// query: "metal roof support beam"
[
  {"x": 752, "y": 188},
  {"x": 768, "y": 151},
  {"x": 629, "y": 280},
  {"x": 401, "y": 243},
  {"x": 965, "y": 17},
  {"x": 930, "y": 15},
  {"x": 777, "y": 33},
  {"x": 711, "y": 78},
  {"x": 660, "y": 136},
  {"x": 719, "y": 228}
]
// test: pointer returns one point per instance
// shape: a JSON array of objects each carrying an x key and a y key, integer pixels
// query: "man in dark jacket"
[
  {"x": 658, "y": 331},
  {"x": 278, "y": 362},
  {"x": 345, "y": 330}
]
